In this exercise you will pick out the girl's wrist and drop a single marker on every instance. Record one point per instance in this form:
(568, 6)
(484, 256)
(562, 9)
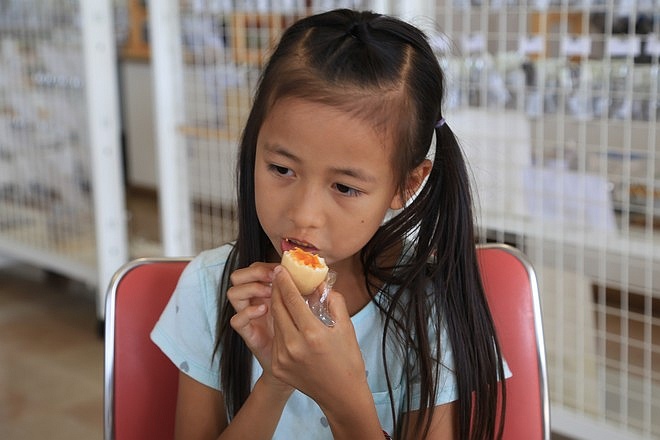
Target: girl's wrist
(355, 417)
(275, 387)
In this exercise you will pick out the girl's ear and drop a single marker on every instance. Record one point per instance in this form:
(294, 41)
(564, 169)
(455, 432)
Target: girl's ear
(413, 183)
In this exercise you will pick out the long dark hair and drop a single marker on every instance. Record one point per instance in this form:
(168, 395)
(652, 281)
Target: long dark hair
(383, 70)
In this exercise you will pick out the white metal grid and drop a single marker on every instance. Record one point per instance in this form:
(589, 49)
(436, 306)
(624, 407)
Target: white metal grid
(51, 134)
(564, 98)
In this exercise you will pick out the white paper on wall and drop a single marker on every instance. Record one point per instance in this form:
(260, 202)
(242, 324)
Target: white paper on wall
(570, 198)
(497, 146)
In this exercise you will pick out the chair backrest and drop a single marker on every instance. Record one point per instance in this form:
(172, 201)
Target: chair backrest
(513, 298)
(140, 382)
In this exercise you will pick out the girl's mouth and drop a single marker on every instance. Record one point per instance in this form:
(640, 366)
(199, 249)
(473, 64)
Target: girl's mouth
(290, 243)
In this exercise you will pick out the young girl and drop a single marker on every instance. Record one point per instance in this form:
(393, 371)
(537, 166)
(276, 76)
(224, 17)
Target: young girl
(334, 160)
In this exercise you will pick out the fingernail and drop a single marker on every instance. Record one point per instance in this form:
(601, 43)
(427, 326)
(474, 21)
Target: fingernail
(271, 274)
(277, 270)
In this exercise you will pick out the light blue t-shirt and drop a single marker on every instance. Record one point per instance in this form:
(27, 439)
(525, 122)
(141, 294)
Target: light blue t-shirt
(186, 330)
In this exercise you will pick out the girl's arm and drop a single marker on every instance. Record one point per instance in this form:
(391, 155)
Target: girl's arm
(200, 411)
(354, 417)
(261, 412)
(443, 424)
(201, 414)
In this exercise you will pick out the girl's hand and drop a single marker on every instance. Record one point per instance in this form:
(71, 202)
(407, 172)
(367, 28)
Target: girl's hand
(250, 296)
(323, 362)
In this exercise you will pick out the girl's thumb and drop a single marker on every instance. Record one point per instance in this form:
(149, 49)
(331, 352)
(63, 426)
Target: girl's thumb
(337, 306)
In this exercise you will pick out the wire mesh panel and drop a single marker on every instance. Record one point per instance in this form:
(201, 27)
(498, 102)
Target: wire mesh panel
(47, 187)
(556, 103)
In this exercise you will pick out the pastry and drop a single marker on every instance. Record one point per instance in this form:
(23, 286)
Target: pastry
(307, 270)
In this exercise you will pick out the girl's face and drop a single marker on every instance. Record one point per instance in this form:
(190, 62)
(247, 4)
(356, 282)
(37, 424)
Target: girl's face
(323, 180)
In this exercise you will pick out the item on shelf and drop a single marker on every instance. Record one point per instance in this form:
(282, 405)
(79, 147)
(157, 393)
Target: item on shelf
(136, 42)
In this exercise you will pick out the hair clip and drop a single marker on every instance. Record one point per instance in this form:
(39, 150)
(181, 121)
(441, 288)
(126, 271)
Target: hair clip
(440, 123)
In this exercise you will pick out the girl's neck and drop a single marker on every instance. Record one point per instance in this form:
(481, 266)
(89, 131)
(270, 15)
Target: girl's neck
(351, 284)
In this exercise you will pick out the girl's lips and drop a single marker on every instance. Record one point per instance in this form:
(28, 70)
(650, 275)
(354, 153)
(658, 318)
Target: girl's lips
(290, 243)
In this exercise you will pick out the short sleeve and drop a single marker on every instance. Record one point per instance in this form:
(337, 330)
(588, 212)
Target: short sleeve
(186, 329)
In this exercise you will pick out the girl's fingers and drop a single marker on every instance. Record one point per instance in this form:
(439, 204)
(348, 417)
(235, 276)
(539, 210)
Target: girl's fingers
(256, 272)
(243, 296)
(243, 322)
(337, 306)
(243, 319)
(288, 307)
(249, 283)
(304, 351)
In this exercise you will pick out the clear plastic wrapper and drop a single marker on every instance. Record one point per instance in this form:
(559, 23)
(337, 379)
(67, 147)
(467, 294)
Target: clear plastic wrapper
(317, 301)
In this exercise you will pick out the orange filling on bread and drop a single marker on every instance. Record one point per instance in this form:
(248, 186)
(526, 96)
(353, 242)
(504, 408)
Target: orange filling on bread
(306, 258)
(306, 269)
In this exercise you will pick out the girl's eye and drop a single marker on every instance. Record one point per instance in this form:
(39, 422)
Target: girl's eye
(347, 190)
(283, 171)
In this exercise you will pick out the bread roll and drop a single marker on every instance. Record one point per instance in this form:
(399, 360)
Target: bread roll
(307, 270)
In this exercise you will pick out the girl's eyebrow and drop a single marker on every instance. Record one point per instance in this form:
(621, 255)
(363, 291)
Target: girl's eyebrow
(355, 173)
(352, 172)
(281, 151)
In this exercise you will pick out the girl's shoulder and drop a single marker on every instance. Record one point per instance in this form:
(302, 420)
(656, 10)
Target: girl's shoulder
(206, 268)
(211, 259)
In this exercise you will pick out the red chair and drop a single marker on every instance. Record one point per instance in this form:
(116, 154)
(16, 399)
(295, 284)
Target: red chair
(513, 297)
(141, 383)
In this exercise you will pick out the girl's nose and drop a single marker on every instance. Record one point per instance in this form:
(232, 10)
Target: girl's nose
(306, 209)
